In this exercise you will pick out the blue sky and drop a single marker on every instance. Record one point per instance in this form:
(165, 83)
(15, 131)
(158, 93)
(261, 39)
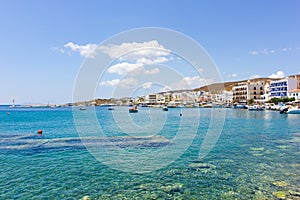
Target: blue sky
(244, 38)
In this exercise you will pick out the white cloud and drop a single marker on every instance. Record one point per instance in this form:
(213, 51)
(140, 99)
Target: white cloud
(133, 68)
(254, 76)
(286, 49)
(265, 51)
(134, 56)
(87, 50)
(147, 85)
(253, 52)
(113, 82)
(125, 83)
(152, 71)
(279, 74)
(128, 83)
(138, 50)
(233, 75)
(186, 83)
(124, 67)
(194, 81)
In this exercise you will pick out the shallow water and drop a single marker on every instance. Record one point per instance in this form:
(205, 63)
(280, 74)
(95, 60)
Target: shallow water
(256, 157)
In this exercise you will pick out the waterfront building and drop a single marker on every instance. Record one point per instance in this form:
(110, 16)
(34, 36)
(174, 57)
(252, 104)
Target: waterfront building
(223, 97)
(297, 77)
(151, 99)
(280, 88)
(248, 90)
(295, 94)
(266, 94)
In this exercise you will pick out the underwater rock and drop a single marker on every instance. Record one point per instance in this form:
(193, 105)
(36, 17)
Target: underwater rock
(86, 197)
(295, 140)
(294, 193)
(280, 194)
(177, 187)
(280, 183)
(257, 154)
(198, 166)
(228, 194)
(282, 147)
(257, 149)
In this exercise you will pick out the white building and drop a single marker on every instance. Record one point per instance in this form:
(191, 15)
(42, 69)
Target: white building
(248, 90)
(223, 97)
(151, 99)
(280, 88)
(295, 94)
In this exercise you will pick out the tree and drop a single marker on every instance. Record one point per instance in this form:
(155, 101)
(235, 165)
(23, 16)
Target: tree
(251, 101)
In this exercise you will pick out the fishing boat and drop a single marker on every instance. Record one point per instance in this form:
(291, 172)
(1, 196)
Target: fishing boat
(256, 108)
(133, 109)
(165, 108)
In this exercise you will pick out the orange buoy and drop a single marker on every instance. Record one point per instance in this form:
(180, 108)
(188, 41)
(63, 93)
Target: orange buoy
(39, 132)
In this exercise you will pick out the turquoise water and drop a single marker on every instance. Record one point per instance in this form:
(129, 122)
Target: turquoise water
(256, 157)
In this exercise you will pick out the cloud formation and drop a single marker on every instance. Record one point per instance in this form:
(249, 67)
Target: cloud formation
(113, 82)
(267, 51)
(186, 83)
(132, 56)
(87, 50)
(279, 74)
(147, 85)
(124, 83)
(264, 51)
(135, 50)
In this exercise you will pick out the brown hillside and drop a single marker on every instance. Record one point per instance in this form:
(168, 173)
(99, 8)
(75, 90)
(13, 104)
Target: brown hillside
(218, 87)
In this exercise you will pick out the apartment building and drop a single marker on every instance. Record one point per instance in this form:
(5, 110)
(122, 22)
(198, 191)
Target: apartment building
(280, 88)
(248, 90)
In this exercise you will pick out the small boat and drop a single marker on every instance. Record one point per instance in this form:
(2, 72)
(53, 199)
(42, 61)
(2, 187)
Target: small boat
(165, 108)
(111, 108)
(240, 106)
(82, 108)
(256, 108)
(133, 109)
(283, 109)
(293, 111)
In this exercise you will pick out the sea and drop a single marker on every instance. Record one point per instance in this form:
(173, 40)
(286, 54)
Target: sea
(96, 153)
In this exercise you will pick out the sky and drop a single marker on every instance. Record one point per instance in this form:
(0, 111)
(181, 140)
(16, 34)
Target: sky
(43, 44)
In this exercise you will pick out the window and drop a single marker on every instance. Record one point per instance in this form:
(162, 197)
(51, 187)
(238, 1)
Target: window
(261, 88)
(254, 97)
(254, 88)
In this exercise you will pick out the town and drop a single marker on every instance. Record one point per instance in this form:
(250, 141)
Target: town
(247, 92)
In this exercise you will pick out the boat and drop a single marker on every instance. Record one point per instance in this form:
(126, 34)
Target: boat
(240, 106)
(82, 108)
(256, 108)
(290, 110)
(165, 108)
(208, 105)
(293, 111)
(133, 109)
(111, 108)
(283, 109)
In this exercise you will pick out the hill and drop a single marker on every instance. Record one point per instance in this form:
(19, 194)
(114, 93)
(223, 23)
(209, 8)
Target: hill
(218, 87)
